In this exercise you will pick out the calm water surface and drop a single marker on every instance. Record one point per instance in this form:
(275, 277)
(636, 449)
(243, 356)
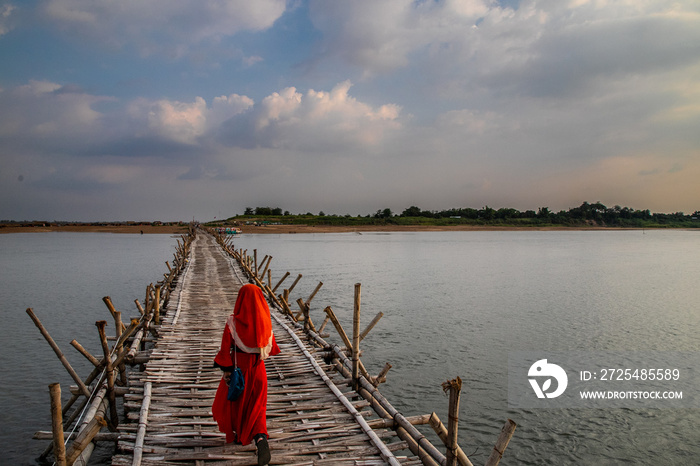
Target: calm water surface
(62, 277)
(454, 304)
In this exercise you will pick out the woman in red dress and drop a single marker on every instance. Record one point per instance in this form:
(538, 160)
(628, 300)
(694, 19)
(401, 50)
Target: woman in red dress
(249, 329)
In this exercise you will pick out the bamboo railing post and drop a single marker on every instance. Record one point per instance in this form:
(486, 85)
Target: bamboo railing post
(501, 443)
(59, 447)
(356, 338)
(255, 261)
(118, 345)
(454, 387)
(111, 396)
(59, 353)
(267, 266)
(108, 302)
(139, 307)
(156, 306)
(285, 304)
(441, 432)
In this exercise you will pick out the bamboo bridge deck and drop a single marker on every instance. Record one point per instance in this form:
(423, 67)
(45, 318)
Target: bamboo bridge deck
(313, 416)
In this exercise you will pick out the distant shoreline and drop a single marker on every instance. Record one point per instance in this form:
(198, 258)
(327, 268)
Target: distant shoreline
(86, 228)
(297, 229)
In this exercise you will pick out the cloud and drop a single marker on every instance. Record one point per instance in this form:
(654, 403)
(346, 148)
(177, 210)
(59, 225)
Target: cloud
(162, 26)
(5, 20)
(542, 49)
(317, 121)
(380, 36)
(47, 114)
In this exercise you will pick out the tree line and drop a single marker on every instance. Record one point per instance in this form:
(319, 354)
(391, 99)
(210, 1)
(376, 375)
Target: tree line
(594, 214)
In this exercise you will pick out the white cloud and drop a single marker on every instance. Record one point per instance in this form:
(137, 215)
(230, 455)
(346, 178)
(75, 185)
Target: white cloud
(49, 112)
(5, 21)
(162, 26)
(315, 121)
(380, 36)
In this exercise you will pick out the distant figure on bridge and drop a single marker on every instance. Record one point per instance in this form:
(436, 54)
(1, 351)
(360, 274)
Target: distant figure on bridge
(247, 341)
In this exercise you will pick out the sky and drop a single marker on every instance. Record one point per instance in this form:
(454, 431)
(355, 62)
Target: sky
(196, 109)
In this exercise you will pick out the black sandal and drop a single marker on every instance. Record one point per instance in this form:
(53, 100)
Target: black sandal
(263, 451)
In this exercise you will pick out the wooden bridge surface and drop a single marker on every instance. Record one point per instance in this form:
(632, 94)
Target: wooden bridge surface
(307, 422)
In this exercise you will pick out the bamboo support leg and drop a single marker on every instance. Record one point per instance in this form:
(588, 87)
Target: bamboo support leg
(501, 443)
(311, 296)
(95, 362)
(156, 306)
(59, 353)
(371, 325)
(454, 387)
(280, 282)
(108, 302)
(111, 396)
(295, 283)
(441, 432)
(59, 447)
(356, 338)
(84, 438)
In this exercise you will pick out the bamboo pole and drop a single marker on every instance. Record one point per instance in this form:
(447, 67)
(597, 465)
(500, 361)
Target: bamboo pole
(267, 266)
(371, 325)
(295, 283)
(441, 432)
(417, 442)
(311, 296)
(501, 443)
(118, 345)
(143, 423)
(156, 306)
(454, 387)
(346, 341)
(59, 353)
(255, 261)
(356, 338)
(112, 310)
(114, 417)
(84, 438)
(386, 454)
(95, 362)
(381, 377)
(336, 323)
(280, 282)
(323, 325)
(382, 423)
(308, 323)
(59, 446)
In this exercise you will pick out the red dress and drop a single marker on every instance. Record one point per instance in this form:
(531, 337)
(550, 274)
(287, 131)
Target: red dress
(246, 417)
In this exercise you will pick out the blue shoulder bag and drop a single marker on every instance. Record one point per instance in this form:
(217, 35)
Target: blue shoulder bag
(237, 383)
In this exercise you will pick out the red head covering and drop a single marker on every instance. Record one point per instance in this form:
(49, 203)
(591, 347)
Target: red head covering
(252, 317)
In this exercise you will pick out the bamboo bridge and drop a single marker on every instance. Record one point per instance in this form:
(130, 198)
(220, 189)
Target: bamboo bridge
(323, 405)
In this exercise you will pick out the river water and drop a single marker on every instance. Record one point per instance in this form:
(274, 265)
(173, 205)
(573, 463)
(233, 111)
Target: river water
(454, 304)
